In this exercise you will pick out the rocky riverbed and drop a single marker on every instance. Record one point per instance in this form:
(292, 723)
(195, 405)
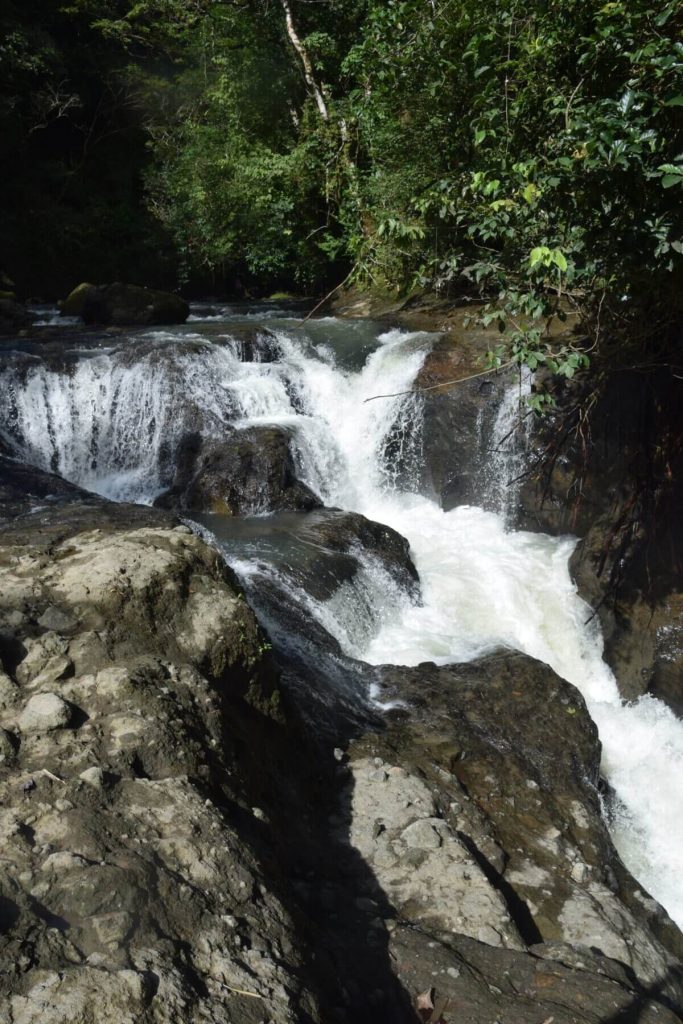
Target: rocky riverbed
(178, 844)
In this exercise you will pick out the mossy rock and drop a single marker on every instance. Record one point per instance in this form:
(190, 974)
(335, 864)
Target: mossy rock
(73, 304)
(10, 296)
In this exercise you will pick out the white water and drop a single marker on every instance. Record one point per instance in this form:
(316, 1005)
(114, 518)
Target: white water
(105, 422)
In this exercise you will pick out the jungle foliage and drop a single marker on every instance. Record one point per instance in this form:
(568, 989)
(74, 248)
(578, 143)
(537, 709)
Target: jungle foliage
(528, 154)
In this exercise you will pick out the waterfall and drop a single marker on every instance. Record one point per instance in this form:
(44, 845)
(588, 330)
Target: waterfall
(111, 419)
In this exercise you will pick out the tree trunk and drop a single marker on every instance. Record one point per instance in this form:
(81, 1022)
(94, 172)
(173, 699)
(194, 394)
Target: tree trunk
(309, 74)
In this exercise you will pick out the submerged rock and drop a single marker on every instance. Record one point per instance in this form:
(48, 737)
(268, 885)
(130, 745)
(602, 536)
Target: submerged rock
(127, 304)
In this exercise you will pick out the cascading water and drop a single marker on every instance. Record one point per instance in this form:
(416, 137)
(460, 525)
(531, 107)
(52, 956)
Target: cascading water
(111, 419)
(106, 421)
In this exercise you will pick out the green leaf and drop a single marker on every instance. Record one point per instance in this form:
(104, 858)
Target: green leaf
(538, 255)
(560, 260)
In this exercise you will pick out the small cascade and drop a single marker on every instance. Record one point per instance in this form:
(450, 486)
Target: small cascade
(508, 446)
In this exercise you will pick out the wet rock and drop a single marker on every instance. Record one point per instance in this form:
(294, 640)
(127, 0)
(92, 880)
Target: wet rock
(627, 514)
(255, 345)
(22, 487)
(350, 532)
(251, 472)
(453, 462)
(127, 304)
(13, 316)
(73, 304)
(45, 712)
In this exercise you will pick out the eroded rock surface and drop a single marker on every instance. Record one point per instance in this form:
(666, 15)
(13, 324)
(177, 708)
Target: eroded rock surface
(129, 892)
(477, 809)
(611, 485)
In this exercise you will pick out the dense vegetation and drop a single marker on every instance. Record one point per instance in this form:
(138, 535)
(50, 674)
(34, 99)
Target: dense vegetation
(525, 152)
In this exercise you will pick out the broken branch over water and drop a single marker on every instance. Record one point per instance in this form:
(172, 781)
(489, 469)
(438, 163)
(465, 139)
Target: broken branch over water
(444, 383)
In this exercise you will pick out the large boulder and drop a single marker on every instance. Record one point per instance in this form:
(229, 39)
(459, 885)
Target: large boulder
(127, 304)
(478, 810)
(453, 461)
(182, 848)
(132, 669)
(250, 472)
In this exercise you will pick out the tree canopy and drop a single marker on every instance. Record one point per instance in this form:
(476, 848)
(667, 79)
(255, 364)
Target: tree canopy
(521, 152)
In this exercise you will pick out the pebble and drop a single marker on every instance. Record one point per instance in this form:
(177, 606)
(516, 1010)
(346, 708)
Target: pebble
(579, 872)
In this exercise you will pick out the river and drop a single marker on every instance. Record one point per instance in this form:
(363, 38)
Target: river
(110, 411)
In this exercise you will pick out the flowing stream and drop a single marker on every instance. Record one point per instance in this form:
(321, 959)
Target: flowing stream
(110, 415)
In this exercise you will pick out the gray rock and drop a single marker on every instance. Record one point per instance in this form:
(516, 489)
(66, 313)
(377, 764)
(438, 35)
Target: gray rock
(422, 835)
(93, 776)
(56, 619)
(45, 712)
(248, 472)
